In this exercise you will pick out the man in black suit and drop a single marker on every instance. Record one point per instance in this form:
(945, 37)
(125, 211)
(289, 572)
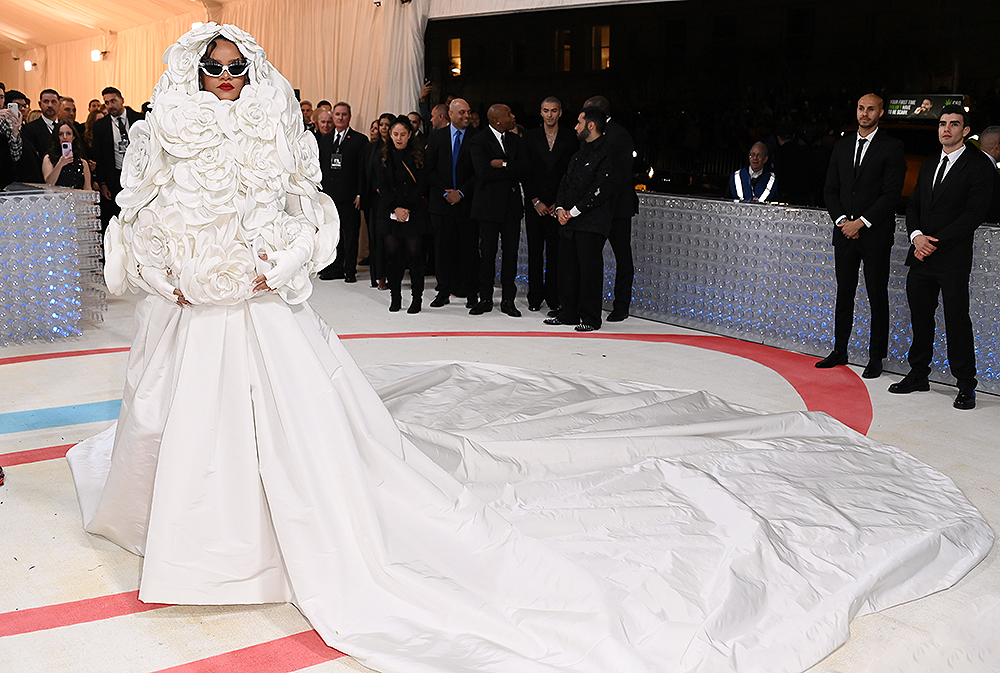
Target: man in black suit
(624, 206)
(863, 185)
(452, 182)
(989, 142)
(951, 199)
(341, 161)
(110, 143)
(497, 206)
(583, 209)
(39, 132)
(547, 150)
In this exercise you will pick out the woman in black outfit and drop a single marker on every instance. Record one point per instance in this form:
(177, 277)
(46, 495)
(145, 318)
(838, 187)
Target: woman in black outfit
(369, 201)
(402, 185)
(66, 169)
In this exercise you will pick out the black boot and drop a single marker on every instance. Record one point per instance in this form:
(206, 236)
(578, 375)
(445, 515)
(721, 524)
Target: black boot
(414, 305)
(396, 302)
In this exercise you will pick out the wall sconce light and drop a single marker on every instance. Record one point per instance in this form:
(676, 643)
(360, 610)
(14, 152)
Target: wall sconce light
(27, 66)
(96, 55)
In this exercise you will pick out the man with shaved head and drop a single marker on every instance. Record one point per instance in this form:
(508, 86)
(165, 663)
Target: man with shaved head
(496, 206)
(451, 180)
(863, 185)
(439, 116)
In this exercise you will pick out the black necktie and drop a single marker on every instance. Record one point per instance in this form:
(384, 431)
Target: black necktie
(857, 157)
(121, 129)
(940, 174)
(336, 143)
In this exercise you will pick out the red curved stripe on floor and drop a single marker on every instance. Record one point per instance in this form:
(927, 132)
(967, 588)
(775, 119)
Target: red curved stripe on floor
(283, 655)
(75, 612)
(838, 392)
(61, 354)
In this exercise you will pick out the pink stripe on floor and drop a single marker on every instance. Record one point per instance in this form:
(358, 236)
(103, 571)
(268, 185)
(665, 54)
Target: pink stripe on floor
(284, 655)
(75, 612)
(34, 455)
(62, 354)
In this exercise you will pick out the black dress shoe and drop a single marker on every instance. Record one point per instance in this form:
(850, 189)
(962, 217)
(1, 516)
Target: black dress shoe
(554, 312)
(873, 370)
(534, 307)
(414, 306)
(395, 304)
(440, 301)
(330, 274)
(584, 327)
(910, 384)
(509, 308)
(351, 279)
(485, 306)
(617, 316)
(832, 360)
(966, 399)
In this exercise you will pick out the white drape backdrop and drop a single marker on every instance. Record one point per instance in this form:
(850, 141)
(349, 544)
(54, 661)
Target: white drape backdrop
(349, 50)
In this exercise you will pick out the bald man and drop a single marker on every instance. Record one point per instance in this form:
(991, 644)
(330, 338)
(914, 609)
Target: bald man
(452, 180)
(496, 206)
(863, 184)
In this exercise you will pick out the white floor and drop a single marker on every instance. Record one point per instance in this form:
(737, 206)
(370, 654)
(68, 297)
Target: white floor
(48, 560)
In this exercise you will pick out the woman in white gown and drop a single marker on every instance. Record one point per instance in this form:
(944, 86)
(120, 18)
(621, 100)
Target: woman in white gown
(253, 462)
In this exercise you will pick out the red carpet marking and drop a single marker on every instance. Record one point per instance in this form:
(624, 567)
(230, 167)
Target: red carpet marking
(62, 354)
(838, 392)
(76, 612)
(34, 455)
(284, 655)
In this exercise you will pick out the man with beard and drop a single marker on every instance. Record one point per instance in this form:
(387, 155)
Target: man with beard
(583, 208)
(624, 206)
(863, 185)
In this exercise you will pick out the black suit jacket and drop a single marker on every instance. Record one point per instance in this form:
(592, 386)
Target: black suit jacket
(951, 213)
(585, 187)
(344, 183)
(993, 216)
(37, 135)
(620, 149)
(873, 194)
(438, 165)
(498, 190)
(104, 149)
(545, 167)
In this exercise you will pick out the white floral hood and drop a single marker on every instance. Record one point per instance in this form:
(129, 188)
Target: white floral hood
(208, 184)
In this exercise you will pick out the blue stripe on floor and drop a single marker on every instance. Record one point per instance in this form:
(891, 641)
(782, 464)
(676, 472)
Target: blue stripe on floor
(40, 419)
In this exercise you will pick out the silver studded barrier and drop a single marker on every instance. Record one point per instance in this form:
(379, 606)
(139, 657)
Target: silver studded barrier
(50, 278)
(765, 273)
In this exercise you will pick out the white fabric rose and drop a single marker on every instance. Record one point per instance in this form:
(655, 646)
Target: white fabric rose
(211, 177)
(217, 274)
(187, 124)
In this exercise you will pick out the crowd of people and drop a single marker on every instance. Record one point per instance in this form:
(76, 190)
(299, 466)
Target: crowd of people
(439, 192)
(449, 193)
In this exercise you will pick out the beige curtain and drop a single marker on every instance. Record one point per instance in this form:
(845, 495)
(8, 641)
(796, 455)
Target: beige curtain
(371, 57)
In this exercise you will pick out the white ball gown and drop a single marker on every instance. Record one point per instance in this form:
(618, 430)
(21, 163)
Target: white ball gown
(557, 524)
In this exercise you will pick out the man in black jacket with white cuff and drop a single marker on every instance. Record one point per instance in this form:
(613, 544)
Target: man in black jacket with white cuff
(583, 208)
